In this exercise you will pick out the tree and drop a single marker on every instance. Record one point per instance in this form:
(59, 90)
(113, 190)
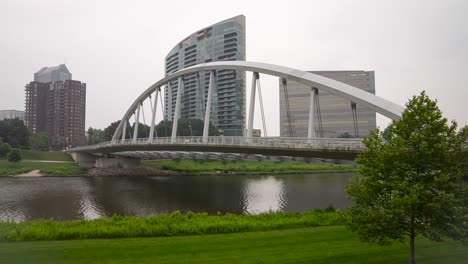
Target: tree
(4, 149)
(13, 132)
(409, 181)
(110, 130)
(95, 136)
(186, 127)
(14, 155)
(345, 135)
(40, 141)
(57, 143)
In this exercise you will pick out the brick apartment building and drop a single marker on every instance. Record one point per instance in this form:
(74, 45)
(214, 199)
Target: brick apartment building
(56, 105)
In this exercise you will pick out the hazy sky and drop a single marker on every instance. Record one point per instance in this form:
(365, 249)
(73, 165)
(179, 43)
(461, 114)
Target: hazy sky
(118, 47)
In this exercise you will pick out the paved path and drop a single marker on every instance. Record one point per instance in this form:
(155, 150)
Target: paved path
(33, 173)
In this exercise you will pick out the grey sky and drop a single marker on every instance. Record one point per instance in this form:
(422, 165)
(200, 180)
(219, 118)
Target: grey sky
(118, 47)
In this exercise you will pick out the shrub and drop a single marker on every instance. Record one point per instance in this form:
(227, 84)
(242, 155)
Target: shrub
(14, 155)
(5, 148)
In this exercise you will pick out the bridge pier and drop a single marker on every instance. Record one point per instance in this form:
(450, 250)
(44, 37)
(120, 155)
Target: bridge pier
(127, 163)
(87, 160)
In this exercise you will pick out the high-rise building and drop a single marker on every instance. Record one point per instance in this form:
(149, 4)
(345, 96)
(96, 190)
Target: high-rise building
(36, 106)
(66, 105)
(11, 114)
(57, 107)
(336, 114)
(52, 74)
(219, 42)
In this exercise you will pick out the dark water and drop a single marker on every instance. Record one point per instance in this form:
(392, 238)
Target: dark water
(93, 197)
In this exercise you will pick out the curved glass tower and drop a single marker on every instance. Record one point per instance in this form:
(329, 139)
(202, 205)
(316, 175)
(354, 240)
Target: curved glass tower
(223, 41)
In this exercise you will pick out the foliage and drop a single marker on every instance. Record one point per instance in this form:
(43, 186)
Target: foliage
(186, 127)
(328, 244)
(4, 149)
(46, 168)
(188, 165)
(110, 130)
(13, 132)
(409, 182)
(14, 155)
(39, 141)
(174, 224)
(95, 136)
(345, 135)
(57, 143)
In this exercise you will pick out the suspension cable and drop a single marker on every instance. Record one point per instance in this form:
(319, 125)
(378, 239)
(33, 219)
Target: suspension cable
(152, 110)
(261, 106)
(288, 110)
(319, 113)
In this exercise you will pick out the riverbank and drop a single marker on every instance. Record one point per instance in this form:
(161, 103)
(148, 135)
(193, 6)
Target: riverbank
(174, 224)
(58, 164)
(333, 244)
(49, 168)
(242, 167)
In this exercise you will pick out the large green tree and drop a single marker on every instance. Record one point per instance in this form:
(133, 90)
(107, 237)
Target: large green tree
(40, 141)
(95, 136)
(13, 132)
(409, 181)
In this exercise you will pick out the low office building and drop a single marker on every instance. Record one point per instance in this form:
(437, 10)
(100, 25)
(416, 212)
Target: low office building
(11, 114)
(336, 114)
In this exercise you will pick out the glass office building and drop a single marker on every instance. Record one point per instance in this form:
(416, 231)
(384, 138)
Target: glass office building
(223, 41)
(336, 113)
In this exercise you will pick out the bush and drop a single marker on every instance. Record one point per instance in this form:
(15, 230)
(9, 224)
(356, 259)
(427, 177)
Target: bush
(5, 148)
(14, 155)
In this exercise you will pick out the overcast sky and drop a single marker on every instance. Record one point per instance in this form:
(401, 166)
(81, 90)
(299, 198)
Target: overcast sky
(118, 47)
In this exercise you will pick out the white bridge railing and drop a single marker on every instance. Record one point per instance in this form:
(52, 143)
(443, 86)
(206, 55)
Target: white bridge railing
(343, 144)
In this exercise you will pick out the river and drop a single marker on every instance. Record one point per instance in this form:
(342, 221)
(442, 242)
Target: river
(64, 198)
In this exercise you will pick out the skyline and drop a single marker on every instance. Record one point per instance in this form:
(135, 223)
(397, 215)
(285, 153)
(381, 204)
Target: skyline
(116, 46)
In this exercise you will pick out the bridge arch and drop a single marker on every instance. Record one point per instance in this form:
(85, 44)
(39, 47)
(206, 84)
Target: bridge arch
(358, 96)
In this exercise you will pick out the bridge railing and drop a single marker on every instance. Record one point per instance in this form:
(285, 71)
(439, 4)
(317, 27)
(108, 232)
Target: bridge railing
(276, 142)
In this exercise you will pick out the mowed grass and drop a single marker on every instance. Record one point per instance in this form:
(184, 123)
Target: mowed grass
(46, 168)
(175, 224)
(307, 245)
(188, 165)
(43, 155)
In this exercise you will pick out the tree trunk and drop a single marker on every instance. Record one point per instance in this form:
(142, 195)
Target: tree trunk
(412, 237)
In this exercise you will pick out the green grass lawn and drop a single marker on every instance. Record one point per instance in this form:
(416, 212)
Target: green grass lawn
(306, 245)
(43, 155)
(47, 168)
(188, 165)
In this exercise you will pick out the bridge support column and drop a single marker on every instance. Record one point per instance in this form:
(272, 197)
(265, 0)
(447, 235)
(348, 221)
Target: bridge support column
(252, 104)
(206, 127)
(84, 160)
(311, 129)
(124, 130)
(318, 112)
(180, 87)
(153, 117)
(137, 119)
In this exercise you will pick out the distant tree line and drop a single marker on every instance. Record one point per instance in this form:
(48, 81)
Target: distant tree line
(185, 127)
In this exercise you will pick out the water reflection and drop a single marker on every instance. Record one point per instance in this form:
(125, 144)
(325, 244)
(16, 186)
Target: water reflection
(262, 195)
(94, 197)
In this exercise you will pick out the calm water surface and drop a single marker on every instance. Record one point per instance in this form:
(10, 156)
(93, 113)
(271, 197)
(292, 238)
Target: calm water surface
(93, 197)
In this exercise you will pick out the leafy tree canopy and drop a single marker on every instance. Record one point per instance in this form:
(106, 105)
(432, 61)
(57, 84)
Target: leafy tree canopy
(39, 141)
(409, 181)
(13, 132)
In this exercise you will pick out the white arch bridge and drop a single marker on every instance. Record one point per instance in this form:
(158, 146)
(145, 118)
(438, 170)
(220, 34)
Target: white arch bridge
(123, 151)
